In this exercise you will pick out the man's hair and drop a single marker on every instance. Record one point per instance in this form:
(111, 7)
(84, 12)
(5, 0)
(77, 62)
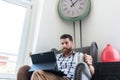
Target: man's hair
(64, 36)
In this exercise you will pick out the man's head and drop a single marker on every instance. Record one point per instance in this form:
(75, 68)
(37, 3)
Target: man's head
(66, 43)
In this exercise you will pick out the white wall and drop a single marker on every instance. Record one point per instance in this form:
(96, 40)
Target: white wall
(49, 26)
(103, 24)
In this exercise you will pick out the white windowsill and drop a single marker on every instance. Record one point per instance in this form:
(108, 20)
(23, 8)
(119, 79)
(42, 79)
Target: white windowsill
(7, 76)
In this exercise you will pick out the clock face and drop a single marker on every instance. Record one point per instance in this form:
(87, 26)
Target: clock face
(73, 9)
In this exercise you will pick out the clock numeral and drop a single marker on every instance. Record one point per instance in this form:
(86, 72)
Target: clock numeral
(65, 8)
(64, 5)
(65, 1)
(72, 13)
(78, 12)
(80, 7)
(81, 3)
(68, 11)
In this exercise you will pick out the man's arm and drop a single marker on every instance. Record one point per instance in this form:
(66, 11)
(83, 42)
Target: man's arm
(88, 59)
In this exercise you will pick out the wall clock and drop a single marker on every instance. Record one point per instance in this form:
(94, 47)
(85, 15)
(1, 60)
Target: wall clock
(73, 10)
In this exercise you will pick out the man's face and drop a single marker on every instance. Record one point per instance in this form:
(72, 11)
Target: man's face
(66, 45)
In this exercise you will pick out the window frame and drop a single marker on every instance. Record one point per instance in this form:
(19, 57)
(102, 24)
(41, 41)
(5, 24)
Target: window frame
(24, 38)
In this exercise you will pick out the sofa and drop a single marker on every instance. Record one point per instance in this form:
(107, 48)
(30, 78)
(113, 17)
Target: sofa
(91, 50)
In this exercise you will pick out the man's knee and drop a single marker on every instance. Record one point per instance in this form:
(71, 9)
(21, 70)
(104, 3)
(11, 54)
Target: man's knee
(23, 73)
(25, 67)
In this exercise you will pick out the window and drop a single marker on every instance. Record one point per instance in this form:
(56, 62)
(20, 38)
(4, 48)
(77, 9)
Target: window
(13, 31)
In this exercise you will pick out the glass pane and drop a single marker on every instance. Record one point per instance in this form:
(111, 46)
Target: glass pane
(11, 26)
(7, 63)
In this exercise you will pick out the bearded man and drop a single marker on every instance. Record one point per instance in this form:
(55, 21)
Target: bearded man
(66, 61)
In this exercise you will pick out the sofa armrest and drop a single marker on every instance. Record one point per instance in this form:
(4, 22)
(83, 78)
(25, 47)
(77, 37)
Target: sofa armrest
(94, 51)
(82, 72)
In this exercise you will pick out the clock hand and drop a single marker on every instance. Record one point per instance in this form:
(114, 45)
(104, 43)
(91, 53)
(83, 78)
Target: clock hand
(74, 3)
(71, 1)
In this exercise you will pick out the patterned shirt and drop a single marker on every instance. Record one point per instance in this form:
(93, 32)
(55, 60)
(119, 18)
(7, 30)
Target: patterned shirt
(68, 64)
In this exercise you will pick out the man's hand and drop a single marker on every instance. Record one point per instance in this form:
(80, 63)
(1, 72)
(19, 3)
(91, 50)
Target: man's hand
(88, 59)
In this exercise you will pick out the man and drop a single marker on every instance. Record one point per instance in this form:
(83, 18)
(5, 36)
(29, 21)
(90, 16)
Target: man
(66, 62)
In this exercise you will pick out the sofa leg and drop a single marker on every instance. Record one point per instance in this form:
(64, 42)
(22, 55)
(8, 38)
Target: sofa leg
(23, 73)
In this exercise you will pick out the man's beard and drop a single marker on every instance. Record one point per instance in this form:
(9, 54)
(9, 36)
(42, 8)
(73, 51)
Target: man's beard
(66, 50)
